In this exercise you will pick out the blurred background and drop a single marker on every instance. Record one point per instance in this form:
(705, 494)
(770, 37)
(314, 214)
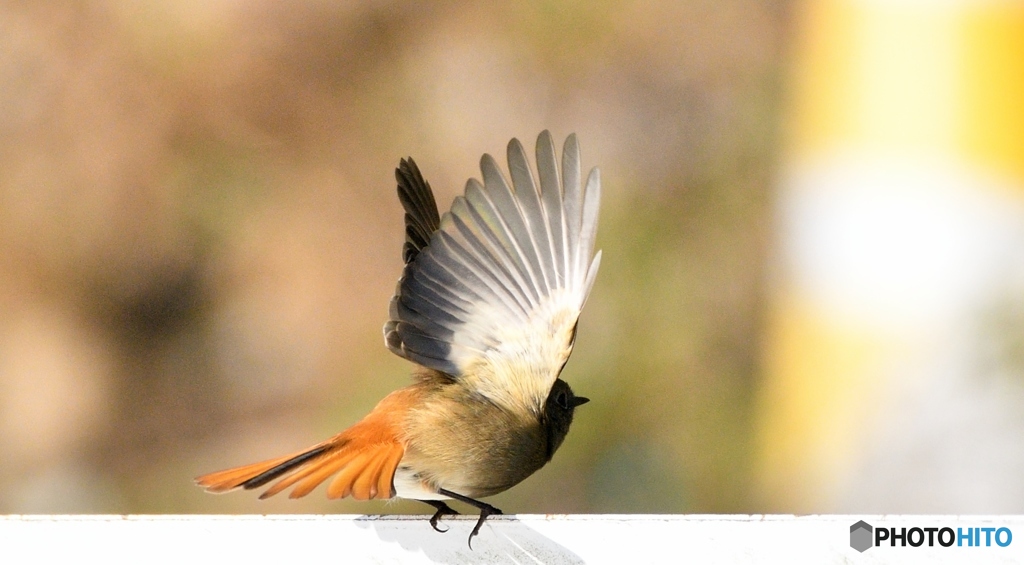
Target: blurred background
(812, 292)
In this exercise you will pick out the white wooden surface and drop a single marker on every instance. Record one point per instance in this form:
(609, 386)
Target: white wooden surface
(623, 539)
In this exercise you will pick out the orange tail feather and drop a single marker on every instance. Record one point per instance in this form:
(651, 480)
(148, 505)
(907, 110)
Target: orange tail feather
(364, 457)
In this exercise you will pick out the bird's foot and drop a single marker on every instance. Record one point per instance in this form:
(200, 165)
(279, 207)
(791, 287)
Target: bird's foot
(442, 509)
(485, 510)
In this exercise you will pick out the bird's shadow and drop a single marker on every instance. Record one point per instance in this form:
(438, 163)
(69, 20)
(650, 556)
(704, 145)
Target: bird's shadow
(502, 539)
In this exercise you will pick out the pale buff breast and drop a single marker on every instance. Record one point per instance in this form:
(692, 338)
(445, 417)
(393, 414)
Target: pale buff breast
(460, 441)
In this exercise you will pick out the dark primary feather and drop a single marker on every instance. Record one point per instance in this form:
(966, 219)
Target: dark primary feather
(421, 221)
(421, 216)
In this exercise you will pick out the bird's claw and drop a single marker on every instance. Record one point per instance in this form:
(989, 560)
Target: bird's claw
(485, 511)
(442, 509)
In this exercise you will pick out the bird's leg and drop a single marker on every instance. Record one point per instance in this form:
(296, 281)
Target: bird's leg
(442, 509)
(485, 510)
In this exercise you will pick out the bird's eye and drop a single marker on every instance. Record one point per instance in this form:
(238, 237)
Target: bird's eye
(562, 400)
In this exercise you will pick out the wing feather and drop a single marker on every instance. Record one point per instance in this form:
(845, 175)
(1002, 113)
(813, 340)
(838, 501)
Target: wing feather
(421, 217)
(532, 211)
(513, 224)
(572, 205)
(588, 223)
(496, 279)
(551, 196)
(494, 296)
(485, 219)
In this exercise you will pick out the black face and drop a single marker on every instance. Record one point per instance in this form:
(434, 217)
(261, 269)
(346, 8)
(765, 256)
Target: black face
(558, 411)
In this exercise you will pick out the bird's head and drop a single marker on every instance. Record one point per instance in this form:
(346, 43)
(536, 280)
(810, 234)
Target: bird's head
(558, 412)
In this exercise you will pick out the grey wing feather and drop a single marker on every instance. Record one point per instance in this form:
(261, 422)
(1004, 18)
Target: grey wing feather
(534, 217)
(492, 290)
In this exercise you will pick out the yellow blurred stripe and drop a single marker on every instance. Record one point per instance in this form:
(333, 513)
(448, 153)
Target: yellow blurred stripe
(875, 76)
(992, 87)
(917, 79)
(822, 377)
(935, 79)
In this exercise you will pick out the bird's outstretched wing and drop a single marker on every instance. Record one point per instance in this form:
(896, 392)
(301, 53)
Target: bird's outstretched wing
(493, 297)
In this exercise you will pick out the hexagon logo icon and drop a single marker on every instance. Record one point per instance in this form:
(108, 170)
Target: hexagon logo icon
(860, 536)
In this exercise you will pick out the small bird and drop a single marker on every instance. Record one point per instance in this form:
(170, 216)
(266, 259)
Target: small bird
(487, 306)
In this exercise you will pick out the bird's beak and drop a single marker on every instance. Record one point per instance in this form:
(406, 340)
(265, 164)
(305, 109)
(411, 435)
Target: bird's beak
(579, 401)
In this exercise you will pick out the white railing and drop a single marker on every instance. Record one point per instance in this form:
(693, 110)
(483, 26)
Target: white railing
(627, 539)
